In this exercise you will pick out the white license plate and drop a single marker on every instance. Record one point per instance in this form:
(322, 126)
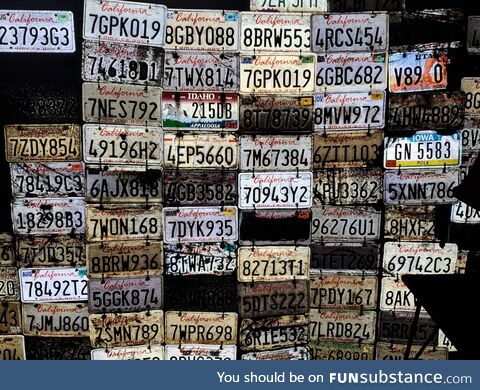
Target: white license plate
(275, 190)
(37, 31)
(200, 110)
(272, 152)
(463, 213)
(124, 22)
(471, 87)
(124, 64)
(470, 134)
(396, 295)
(420, 187)
(53, 284)
(9, 284)
(351, 224)
(295, 353)
(341, 351)
(289, 5)
(110, 144)
(390, 351)
(200, 224)
(140, 352)
(417, 71)
(356, 110)
(122, 104)
(274, 32)
(419, 258)
(48, 216)
(133, 222)
(206, 151)
(350, 32)
(10, 315)
(200, 352)
(473, 35)
(287, 74)
(196, 71)
(12, 347)
(410, 223)
(203, 30)
(348, 72)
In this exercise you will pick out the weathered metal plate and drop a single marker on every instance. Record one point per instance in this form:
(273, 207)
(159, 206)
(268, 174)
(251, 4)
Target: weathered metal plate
(200, 328)
(200, 352)
(289, 6)
(341, 351)
(403, 223)
(200, 224)
(207, 30)
(287, 74)
(345, 256)
(125, 258)
(140, 352)
(396, 295)
(444, 342)
(135, 222)
(12, 348)
(365, 5)
(125, 22)
(200, 259)
(461, 264)
(471, 87)
(468, 161)
(126, 329)
(463, 213)
(8, 253)
(470, 134)
(55, 319)
(42, 143)
(10, 318)
(388, 351)
(395, 327)
(57, 348)
(295, 353)
(473, 35)
(9, 284)
(365, 32)
(123, 64)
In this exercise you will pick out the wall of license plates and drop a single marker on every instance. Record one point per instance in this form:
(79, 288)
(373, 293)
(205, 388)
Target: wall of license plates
(233, 185)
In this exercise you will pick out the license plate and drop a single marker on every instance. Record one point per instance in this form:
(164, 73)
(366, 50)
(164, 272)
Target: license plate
(12, 348)
(334, 290)
(468, 160)
(200, 110)
(345, 256)
(37, 31)
(197, 188)
(419, 258)
(355, 110)
(126, 329)
(135, 222)
(122, 104)
(42, 143)
(343, 326)
(200, 224)
(140, 352)
(279, 32)
(425, 111)
(462, 213)
(200, 151)
(200, 352)
(123, 184)
(270, 153)
(193, 71)
(200, 328)
(124, 64)
(10, 318)
(341, 351)
(51, 251)
(125, 22)
(292, 353)
(289, 5)
(122, 295)
(473, 35)
(47, 180)
(351, 224)
(471, 87)
(8, 254)
(347, 186)
(417, 71)
(273, 263)
(273, 333)
(55, 319)
(203, 30)
(470, 134)
(273, 113)
(200, 259)
(53, 284)
(396, 295)
(125, 258)
(347, 72)
(275, 190)
(110, 144)
(389, 351)
(461, 265)
(444, 342)
(420, 187)
(350, 32)
(396, 326)
(410, 223)
(275, 227)
(286, 74)
(365, 5)
(57, 348)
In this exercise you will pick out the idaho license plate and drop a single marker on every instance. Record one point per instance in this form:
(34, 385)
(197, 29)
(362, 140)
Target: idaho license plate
(471, 87)
(463, 213)
(389, 351)
(345, 256)
(200, 352)
(404, 223)
(12, 348)
(140, 352)
(292, 353)
(473, 35)
(341, 351)
(10, 317)
(289, 6)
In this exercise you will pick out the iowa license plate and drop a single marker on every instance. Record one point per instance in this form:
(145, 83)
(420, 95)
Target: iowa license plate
(404, 223)
(295, 353)
(341, 351)
(12, 348)
(473, 35)
(345, 256)
(289, 6)
(471, 87)
(42, 143)
(463, 213)
(48, 216)
(9, 284)
(125, 22)
(140, 352)
(10, 318)
(200, 352)
(389, 351)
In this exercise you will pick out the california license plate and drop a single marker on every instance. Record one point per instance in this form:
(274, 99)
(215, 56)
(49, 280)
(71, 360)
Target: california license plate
(53, 284)
(122, 104)
(365, 5)
(42, 143)
(341, 351)
(355, 110)
(140, 352)
(470, 134)
(345, 256)
(280, 32)
(57, 348)
(10, 317)
(200, 224)
(292, 353)
(286, 74)
(389, 351)
(8, 252)
(37, 31)
(125, 22)
(397, 327)
(463, 213)
(471, 87)
(12, 348)
(48, 216)
(405, 223)
(9, 284)
(350, 32)
(123, 64)
(473, 35)
(396, 295)
(200, 352)
(289, 6)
